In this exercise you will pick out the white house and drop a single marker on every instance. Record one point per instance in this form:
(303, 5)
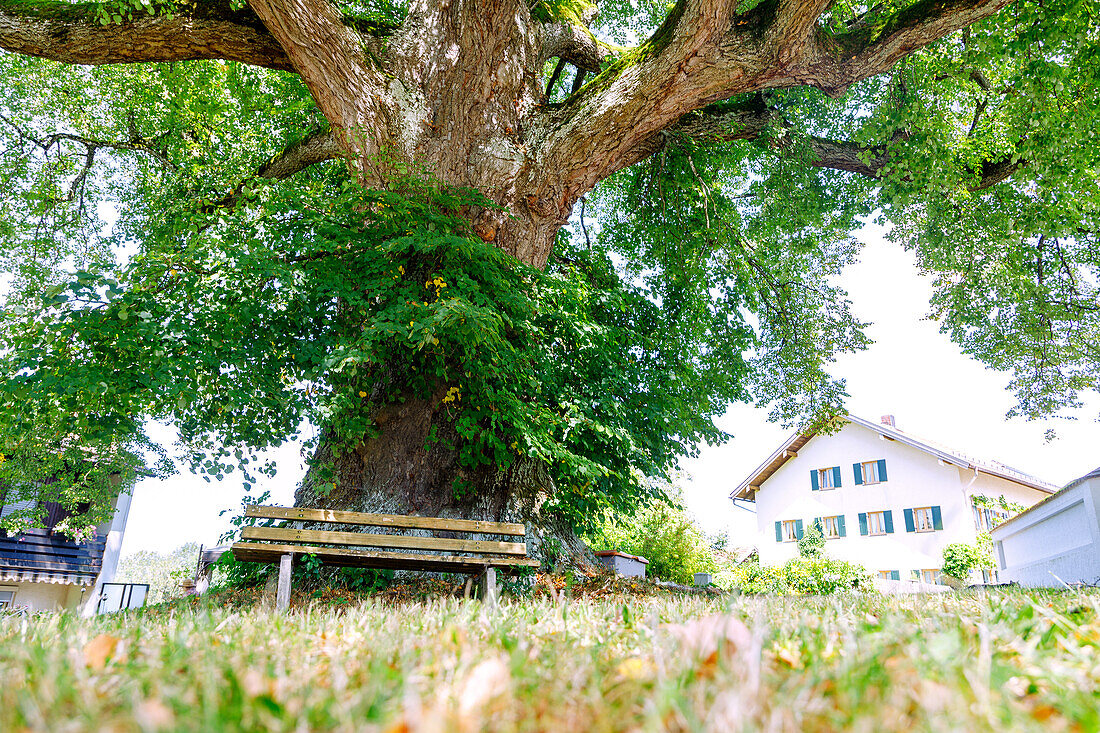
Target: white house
(886, 500)
(1054, 542)
(44, 570)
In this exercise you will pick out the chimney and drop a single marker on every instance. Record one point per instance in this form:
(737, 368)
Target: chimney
(888, 420)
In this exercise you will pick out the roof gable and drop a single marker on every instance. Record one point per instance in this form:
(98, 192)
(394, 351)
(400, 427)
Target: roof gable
(790, 447)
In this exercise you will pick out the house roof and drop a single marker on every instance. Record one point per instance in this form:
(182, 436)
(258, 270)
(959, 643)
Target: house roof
(1094, 473)
(790, 447)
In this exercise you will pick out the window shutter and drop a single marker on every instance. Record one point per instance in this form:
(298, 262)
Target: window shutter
(888, 517)
(820, 522)
(937, 518)
(836, 477)
(857, 471)
(778, 531)
(914, 575)
(895, 575)
(798, 528)
(882, 469)
(813, 480)
(863, 523)
(910, 525)
(840, 526)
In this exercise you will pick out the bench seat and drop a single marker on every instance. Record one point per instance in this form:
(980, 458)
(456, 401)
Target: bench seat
(264, 552)
(448, 554)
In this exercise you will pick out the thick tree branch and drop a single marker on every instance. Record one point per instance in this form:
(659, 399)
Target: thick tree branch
(72, 33)
(704, 53)
(574, 44)
(749, 122)
(316, 147)
(345, 81)
(870, 50)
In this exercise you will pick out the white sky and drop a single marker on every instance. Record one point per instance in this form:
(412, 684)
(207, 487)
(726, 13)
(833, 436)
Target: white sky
(911, 371)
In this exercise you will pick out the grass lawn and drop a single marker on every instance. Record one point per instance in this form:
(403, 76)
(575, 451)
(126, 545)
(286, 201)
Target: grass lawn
(996, 661)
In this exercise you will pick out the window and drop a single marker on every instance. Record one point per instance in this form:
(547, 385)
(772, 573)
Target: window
(870, 472)
(832, 527)
(7, 597)
(923, 519)
(889, 574)
(788, 530)
(986, 519)
(825, 478)
(876, 523)
(929, 576)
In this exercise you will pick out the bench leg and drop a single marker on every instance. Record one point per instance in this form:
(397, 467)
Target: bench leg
(282, 595)
(487, 586)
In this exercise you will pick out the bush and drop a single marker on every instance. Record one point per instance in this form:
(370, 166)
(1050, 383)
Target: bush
(812, 543)
(817, 575)
(662, 533)
(959, 558)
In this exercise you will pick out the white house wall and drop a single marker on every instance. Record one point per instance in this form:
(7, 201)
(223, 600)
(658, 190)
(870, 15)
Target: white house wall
(914, 479)
(46, 596)
(1060, 538)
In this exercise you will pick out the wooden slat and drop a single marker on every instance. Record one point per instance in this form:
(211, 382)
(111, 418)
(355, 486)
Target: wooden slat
(367, 539)
(259, 552)
(383, 520)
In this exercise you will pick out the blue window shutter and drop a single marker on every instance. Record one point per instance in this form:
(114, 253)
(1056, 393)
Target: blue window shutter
(937, 518)
(820, 524)
(862, 523)
(836, 477)
(778, 531)
(888, 516)
(813, 480)
(798, 528)
(895, 574)
(840, 526)
(882, 469)
(910, 525)
(857, 471)
(914, 575)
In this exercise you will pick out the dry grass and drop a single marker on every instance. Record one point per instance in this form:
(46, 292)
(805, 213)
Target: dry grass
(973, 662)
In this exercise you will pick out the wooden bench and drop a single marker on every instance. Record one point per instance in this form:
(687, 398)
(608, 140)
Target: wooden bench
(470, 557)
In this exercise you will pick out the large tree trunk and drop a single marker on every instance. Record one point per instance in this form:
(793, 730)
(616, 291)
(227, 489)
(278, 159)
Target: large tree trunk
(463, 77)
(409, 470)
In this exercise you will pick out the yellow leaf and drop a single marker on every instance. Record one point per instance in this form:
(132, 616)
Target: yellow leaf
(99, 650)
(635, 668)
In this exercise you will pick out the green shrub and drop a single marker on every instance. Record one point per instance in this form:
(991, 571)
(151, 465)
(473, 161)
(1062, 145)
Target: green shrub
(959, 558)
(662, 533)
(812, 543)
(819, 575)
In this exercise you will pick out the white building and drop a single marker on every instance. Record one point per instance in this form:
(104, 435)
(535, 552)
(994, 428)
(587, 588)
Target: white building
(886, 500)
(44, 570)
(1056, 541)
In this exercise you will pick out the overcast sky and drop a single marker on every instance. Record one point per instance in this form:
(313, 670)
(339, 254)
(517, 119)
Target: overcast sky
(911, 371)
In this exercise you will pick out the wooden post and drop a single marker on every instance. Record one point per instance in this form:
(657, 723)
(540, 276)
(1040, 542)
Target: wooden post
(487, 585)
(282, 595)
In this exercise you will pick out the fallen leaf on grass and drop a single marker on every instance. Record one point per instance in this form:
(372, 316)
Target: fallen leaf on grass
(99, 650)
(153, 715)
(636, 668)
(488, 680)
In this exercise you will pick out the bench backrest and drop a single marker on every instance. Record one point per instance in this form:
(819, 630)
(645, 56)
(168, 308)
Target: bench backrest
(367, 539)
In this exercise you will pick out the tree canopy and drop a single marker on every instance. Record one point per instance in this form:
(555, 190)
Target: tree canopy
(250, 218)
